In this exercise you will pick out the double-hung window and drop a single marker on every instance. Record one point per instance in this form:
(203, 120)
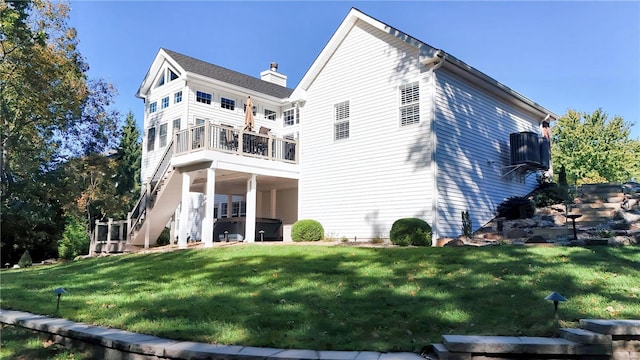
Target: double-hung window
(203, 97)
(153, 107)
(163, 135)
(409, 104)
(341, 121)
(289, 117)
(165, 102)
(176, 125)
(151, 139)
(269, 114)
(227, 104)
(177, 97)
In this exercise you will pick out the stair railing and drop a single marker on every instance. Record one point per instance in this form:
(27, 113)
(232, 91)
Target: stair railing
(145, 202)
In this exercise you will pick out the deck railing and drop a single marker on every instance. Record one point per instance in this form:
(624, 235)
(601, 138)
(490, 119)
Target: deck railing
(231, 140)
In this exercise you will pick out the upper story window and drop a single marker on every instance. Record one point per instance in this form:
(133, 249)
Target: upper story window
(153, 107)
(269, 114)
(409, 104)
(151, 139)
(200, 122)
(163, 135)
(227, 104)
(176, 125)
(172, 75)
(177, 97)
(341, 121)
(165, 102)
(203, 97)
(291, 117)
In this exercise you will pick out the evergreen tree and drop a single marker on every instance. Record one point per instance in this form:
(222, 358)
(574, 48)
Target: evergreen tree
(128, 159)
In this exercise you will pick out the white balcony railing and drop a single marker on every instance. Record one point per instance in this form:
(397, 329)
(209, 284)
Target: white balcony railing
(236, 141)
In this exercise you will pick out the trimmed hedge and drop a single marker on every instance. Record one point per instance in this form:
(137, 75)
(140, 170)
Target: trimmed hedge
(307, 230)
(410, 231)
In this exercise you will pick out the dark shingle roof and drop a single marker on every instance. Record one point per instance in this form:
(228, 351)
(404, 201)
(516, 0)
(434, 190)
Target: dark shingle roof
(229, 76)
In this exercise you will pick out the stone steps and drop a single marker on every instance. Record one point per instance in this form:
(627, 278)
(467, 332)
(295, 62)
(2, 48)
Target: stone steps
(596, 339)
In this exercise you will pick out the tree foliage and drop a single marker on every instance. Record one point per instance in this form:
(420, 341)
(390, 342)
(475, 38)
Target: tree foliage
(128, 159)
(50, 112)
(591, 148)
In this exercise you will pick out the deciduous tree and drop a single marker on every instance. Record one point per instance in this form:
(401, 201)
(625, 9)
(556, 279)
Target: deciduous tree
(593, 148)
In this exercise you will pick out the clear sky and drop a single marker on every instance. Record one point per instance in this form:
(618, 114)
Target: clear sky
(562, 55)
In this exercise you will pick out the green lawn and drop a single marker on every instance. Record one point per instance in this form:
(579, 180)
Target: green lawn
(335, 297)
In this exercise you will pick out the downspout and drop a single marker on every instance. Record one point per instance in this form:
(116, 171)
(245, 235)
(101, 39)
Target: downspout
(439, 58)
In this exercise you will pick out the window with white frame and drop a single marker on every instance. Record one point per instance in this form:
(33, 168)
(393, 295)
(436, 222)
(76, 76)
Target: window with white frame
(200, 122)
(341, 121)
(172, 75)
(238, 208)
(165, 102)
(151, 139)
(409, 104)
(227, 104)
(153, 107)
(270, 114)
(163, 135)
(176, 125)
(289, 117)
(203, 97)
(177, 97)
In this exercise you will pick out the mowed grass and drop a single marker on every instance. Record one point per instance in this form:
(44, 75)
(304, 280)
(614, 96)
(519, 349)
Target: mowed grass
(335, 297)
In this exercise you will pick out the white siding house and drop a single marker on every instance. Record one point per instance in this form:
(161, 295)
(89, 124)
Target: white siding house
(384, 127)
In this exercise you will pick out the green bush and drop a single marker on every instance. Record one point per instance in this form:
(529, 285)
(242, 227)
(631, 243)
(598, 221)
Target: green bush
(516, 207)
(549, 194)
(467, 225)
(307, 230)
(164, 237)
(75, 240)
(410, 231)
(25, 260)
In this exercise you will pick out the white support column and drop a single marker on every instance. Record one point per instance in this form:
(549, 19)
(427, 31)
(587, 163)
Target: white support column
(183, 231)
(250, 224)
(229, 205)
(272, 203)
(208, 220)
(172, 231)
(147, 229)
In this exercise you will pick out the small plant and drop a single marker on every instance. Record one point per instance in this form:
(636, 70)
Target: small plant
(25, 260)
(410, 231)
(307, 230)
(377, 239)
(467, 226)
(547, 194)
(75, 240)
(344, 239)
(603, 231)
(516, 207)
(164, 237)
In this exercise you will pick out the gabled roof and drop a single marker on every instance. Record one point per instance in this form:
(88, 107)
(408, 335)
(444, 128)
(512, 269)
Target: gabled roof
(427, 55)
(199, 67)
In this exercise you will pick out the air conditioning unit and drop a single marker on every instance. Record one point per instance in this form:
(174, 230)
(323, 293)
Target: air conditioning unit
(525, 148)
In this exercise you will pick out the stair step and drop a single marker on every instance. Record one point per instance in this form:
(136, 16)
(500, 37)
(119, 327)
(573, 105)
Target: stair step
(612, 327)
(597, 205)
(584, 336)
(508, 344)
(443, 353)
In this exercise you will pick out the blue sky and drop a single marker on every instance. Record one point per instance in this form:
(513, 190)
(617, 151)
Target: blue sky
(562, 55)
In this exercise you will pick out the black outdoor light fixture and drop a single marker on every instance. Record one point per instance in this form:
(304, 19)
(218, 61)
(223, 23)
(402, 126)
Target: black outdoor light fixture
(556, 298)
(59, 291)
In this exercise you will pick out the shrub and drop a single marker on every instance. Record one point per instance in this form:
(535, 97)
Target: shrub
(550, 194)
(467, 226)
(75, 240)
(410, 231)
(25, 260)
(307, 230)
(516, 207)
(164, 237)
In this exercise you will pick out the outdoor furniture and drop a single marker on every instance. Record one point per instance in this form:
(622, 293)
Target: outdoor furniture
(229, 139)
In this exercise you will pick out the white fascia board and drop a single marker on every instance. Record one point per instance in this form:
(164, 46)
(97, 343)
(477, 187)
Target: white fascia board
(206, 81)
(152, 73)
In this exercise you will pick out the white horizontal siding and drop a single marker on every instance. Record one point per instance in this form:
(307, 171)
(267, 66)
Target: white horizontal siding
(359, 186)
(473, 130)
